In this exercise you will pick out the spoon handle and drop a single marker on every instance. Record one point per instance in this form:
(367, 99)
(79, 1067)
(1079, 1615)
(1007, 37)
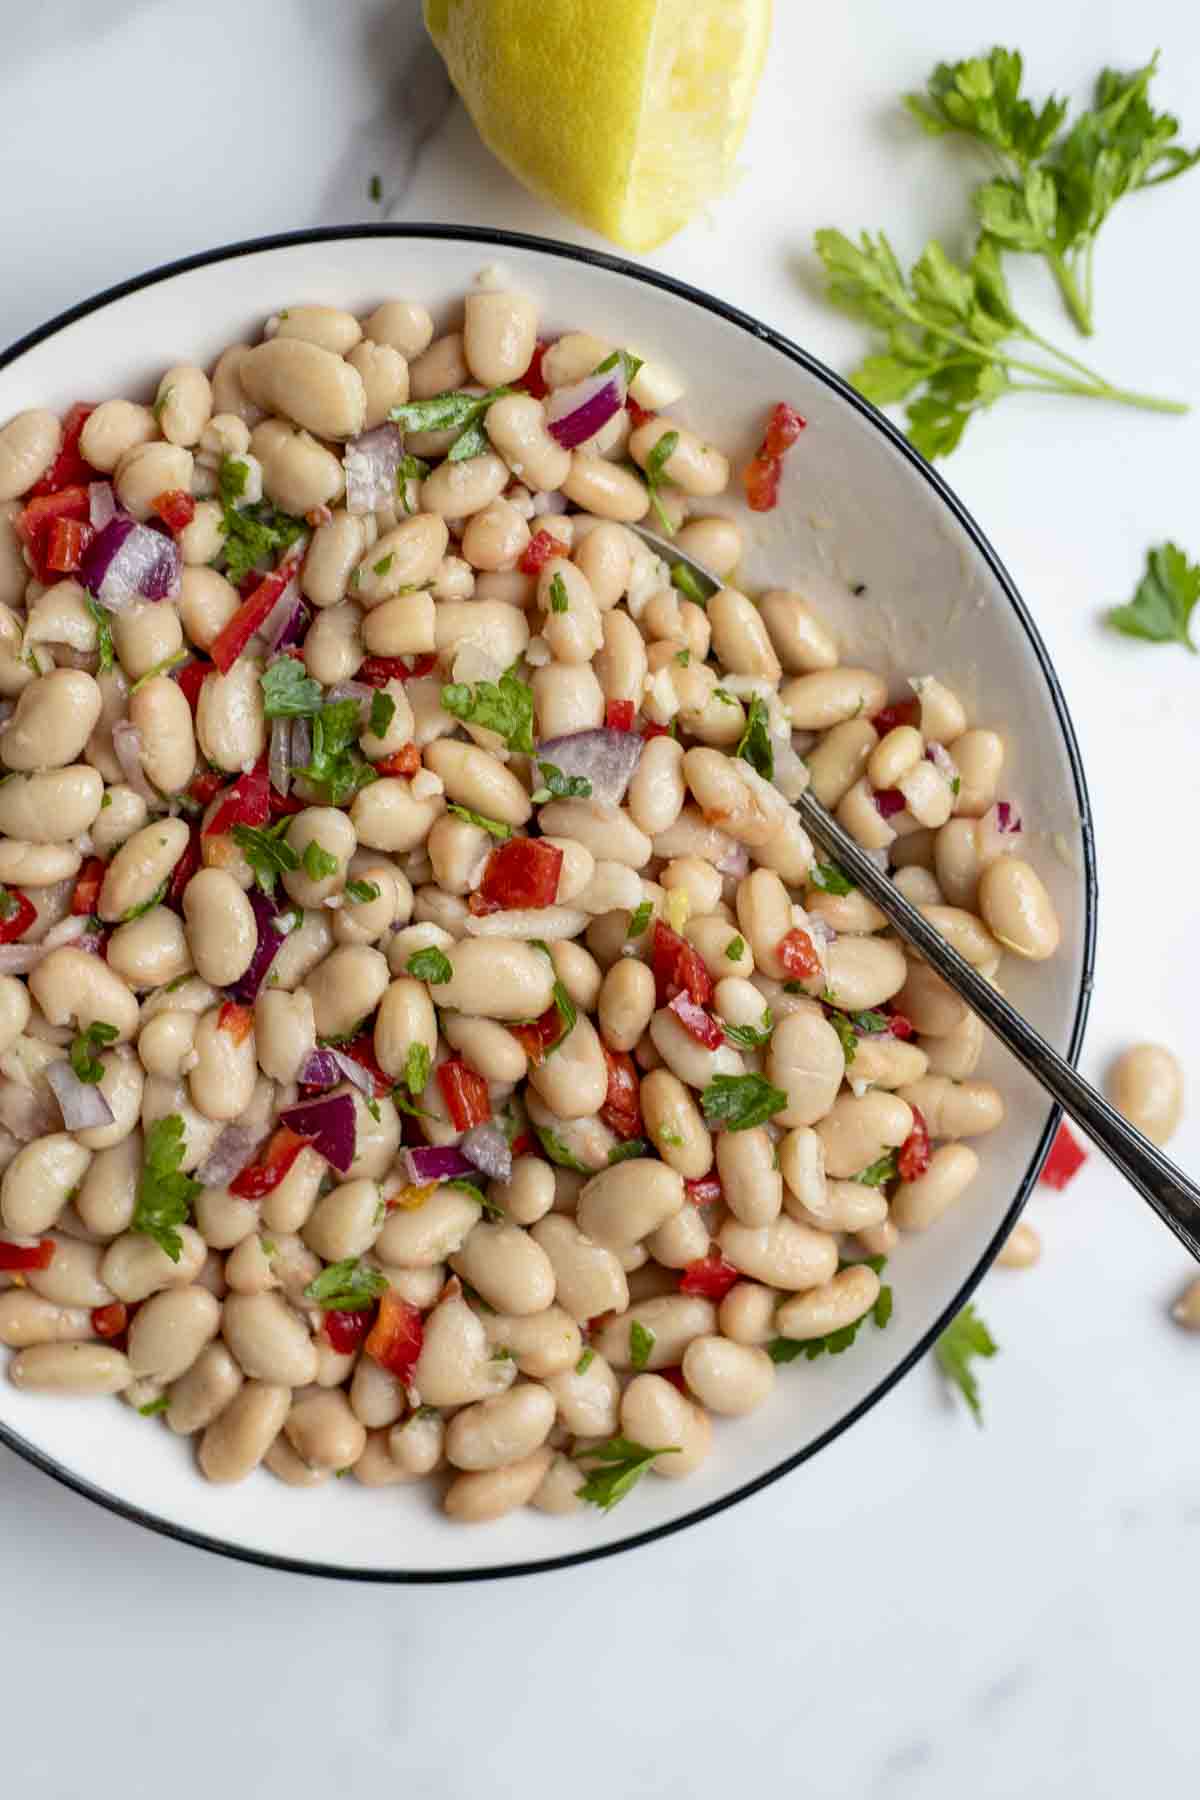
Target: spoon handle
(1174, 1198)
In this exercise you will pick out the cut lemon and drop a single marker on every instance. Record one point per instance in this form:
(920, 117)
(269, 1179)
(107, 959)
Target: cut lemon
(625, 113)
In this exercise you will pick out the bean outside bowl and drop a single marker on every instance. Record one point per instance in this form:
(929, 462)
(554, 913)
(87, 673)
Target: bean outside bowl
(894, 561)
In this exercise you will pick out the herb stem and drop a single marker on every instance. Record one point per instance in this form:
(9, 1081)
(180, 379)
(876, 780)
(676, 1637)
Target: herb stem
(1076, 302)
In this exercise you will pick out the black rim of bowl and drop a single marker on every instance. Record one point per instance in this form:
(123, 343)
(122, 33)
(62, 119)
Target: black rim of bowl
(745, 322)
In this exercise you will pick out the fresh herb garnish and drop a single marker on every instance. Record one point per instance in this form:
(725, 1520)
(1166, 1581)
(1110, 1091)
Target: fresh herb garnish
(505, 707)
(254, 535)
(687, 584)
(383, 565)
(416, 1068)
(136, 912)
(267, 851)
(362, 891)
(383, 711)
(559, 602)
(1166, 596)
(623, 1463)
(735, 949)
(164, 1193)
(641, 1343)
(739, 1102)
(411, 468)
(161, 668)
(334, 765)
(319, 863)
(754, 746)
(629, 364)
(786, 1350)
(879, 1173)
(557, 1151)
(104, 636)
(628, 1151)
(153, 1407)
(375, 188)
(830, 879)
(289, 691)
(585, 1362)
(494, 827)
(86, 1065)
(557, 786)
(346, 1286)
(452, 411)
(963, 1339)
(655, 475)
(430, 965)
(751, 1037)
(639, 918)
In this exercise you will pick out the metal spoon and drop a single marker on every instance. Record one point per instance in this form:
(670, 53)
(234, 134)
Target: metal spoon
(1173, 1196)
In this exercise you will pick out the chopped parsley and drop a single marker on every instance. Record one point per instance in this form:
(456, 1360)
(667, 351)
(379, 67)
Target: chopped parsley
(416, 1068)
(334, 765)
(557, 1151)
(161, 668)
(1162, 606)
(411, 469)
(687, 584)
(319, 863)
(830, 879)
(383, 565)
(754, 745)
(362, 891)
(740, 1102)
(375, 188)
(751, 1037)
(628, 363)
(430, 965)
(639, 919)
(879, 1173)
(585, 1361)
(655, 475)
(505, 707)
(346, 1286)
(164, 1193)
(84, 1045)
(267, 851)
(735, 949)
(452, 411)
(626, 1152)
(289, 691)
(786, 1350)
(641, 1342)
(557, 786)
(495, 827)
(383, 711)
(683, 658)
(622, 1465)
(965, 1338)
(559, 602)
(153, 1407)
(136, 912)
(254, 535)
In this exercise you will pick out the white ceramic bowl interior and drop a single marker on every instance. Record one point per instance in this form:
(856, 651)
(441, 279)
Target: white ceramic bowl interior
(859, 512)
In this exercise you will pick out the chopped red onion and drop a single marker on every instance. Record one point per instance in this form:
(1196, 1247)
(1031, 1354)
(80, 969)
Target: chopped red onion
(889, 802)
(127, 747)
(544, 503)
(126, 562)
(372, 462)
(605, 758)
(487, 1147)
(735, 862)
(301, 743)
(578, 412)
(1006, 818)
(81, 1103)
(245, 989)
(18, 959)
(28, 1112)
(943, 762)
(233, 1151)
(820, 931)
(437, 1162)
(329, 1124)
(350, 690)
(354, 1073)
(319, 1070)
(281, 755)
(278, 622)
(102, 508)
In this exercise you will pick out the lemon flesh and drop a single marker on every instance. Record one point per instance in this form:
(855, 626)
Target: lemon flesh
(627, 114)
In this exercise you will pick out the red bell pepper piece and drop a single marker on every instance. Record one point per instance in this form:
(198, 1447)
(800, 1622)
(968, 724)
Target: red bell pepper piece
(17, 914)
(618, 715)
(652, 730)
(522, 874)
(362, 1051)
(175, 508)
(622, 1108)
(678, 969)
(346, 1327)
(66, 544)
(465, 1093)
(915, 1152)
(696, 1022)
(761, 475)
(111, 1320)
(899, 1026)
(259, 1179)
(377, 671)
(184, 869)
(88, 883)
(538, 551)
(247, 802)
(533, 381)
(405, 761)
(36, 521)
(639, 415)
(705, 1190)
(1065, 1160)
(783, 428)
(69, 468)
(537, 1035)
(395, 1339)
(522, 1144)
(903, 712)
(205, 786)
(797, 952)
(229, 643)
(237, 1020)
(709, 1276)
(16, 1257)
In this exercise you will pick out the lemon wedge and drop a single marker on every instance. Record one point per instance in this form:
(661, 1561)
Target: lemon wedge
(627, 114)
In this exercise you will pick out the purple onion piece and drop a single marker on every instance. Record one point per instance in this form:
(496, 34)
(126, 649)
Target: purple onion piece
(372, 462)
(81, 1103)
(329, 1124)
(353, 1072)
(280, 761)
(605, 758)
(578, 412)
(319, 1070)
(233, 1151)
(281, 617)
(301, 743)
(245, 989)
(1006, 818)
(102, 508)
(437, 1162)
(487, 1147)
(127, 747)
(126, 562)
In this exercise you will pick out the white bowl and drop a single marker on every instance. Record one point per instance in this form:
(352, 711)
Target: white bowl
(860, 511)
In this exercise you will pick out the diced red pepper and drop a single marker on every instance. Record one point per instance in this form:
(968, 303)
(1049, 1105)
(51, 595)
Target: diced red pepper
(184, 869)
(711, 1277)
(538, 551)
(395, 1339)
(229, 643)
(639, 415)
(798, 954)
(16, 1257)
(652, 730)
(68, 540)
(88, 883)
(899, 1026)
(537, 1035)
(622, 1108)
(205, 786)
(522, 1144)
(696, 1022)
(903, 712)
(111, 1320)
(405, 761)
(346, 1328)
(288, 804)
(175, 508)
(377, 671)
(522, 875)
(17, 914)
(237, 1020)
(915, 1152)
(761, 475)
(618, 715)
(705, 1190)
(1067, 1156)
(362, 1051)
(261, 1177)
(465, 1093)
(783, 428)
(478, 907)
(247, 802)
(533, 381)
(69, 468)
(678, 969)
(36, 521)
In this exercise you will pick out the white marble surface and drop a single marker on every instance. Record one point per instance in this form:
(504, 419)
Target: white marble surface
(925, 1610)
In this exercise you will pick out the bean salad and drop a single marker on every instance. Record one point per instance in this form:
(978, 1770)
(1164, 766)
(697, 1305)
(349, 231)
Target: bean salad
(431, 1049)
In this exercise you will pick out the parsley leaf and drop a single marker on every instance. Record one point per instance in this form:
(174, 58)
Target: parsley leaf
(289, 691)
(416, 1068)
(161, 668)
(318, 862)
(739, 1102)
(622, 1465)
(735, 949)
(362, 891)
(411, 468)
(559, 602)
(164, 1193)
(254, 535)
(431, 965)
(104, 636)
(84, 1061)
(787, 1350)
(655, 475)
(830, 879)
(641, 1343)
(383, 711)
(557, 1151)
(751, 1037)
(334, 765)
(558, 786)
(879, 1173)
(346, 1286)
(452, 411)
(847, 1036)
(505, 707)
(1162, 607)
(153, 1407)
(688, 584)
(495, 827)
(964, 1338)
(265, 849)
(639, 918)
(626, 1152)
(585, 1362)
(629, 364)
(136, 912)
(755, 745)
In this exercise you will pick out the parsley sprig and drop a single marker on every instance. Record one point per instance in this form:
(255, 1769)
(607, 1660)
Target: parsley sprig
(755, 745)
(346, 1286)
(164, 1193)
(965, 1338)
(621, 1463)
(84, 1061)
(1166, 596)
(786, 1350)
(255, 536)
(505, 707)
(334, 764)
(452, 411)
